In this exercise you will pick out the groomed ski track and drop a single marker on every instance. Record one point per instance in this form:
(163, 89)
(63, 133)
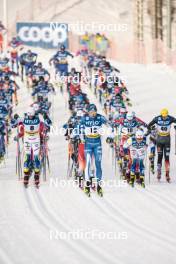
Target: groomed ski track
(30, 218)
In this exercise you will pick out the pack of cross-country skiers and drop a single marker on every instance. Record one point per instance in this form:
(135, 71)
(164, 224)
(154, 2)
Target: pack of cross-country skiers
(130, 138)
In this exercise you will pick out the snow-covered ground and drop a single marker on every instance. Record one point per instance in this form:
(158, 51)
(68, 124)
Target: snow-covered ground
(125, 226)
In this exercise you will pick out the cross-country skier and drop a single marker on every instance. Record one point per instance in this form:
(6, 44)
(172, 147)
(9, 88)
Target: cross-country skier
(37, 72)
(27, 61)
(137, 146)
(14, 47)
(32, 129)
(60, 61)
(91, 125)
(163, 124)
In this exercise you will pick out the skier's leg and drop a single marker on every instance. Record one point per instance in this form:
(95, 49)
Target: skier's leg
(160, 158)
(152, 156)
(88, 152)
(133, 170)
(167, 162)
(36, 169)
(98, 158)
(27, 161)
(81, 162)
(141, 169)
(36, 150)
(88, 155)
(2, 147)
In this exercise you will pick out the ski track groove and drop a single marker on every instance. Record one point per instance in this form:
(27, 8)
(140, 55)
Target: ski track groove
(155, 235)
(105, 257)
(132, 225)
(146, 230)
(170, 199)
(24, 241)
(37, 211)
(159, 201)
(48, 219)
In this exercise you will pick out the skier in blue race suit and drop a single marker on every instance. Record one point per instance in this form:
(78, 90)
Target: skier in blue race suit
(91, 125)
(60, 61)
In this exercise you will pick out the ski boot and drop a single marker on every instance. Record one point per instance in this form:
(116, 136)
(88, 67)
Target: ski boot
(87, 189)
(1, 158)
(167, 171)
(92, 183)
(132, 179)
(80, 181)
(167, 177)
(152, 168)
(142, 181)
(127, 176)
(151, 159)
(36, 177)
(137, 177)
(75, 175)
(119, 162)
(26, 177)
(99, 190)
(124, 173)
(159, 172)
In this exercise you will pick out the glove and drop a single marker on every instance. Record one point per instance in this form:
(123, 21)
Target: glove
(16, 138)
(129, 104)
(109, 140)
(16, 116)
(175, 127)
(67, 137)
(126, 157)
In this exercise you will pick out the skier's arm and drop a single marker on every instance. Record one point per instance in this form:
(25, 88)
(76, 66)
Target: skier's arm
(173, 119)
(35, 55)
(53, 58)
(153, 122)
(69, 54)
(35, 92)
(126, 147)
(140, 122)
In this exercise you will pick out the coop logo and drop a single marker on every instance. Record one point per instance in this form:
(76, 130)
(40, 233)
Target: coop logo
(43, 34)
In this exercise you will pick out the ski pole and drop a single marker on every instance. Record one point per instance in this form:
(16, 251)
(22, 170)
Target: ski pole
(149, 170)
(16, 154)
(68, 166)
(112, 157)
(115, 160)
(44, 168)
(175, 139)
(19, 167)
(145, 163)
